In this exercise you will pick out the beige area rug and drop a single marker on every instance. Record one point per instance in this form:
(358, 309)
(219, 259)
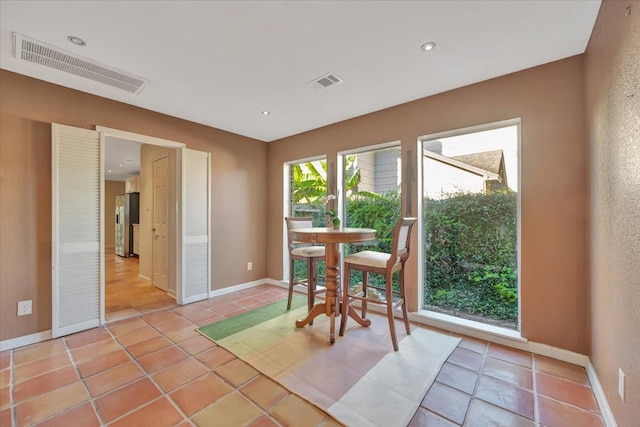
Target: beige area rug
(359, 380)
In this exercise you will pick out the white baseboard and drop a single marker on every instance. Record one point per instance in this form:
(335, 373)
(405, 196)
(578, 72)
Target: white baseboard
(598, 391)
(143, 277)
(12, 343)
(279, 283)
(78, 327)
(497, 335)
(285, 284)
(240, 287)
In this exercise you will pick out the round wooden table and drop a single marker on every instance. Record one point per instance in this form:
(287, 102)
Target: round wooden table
(331, 238)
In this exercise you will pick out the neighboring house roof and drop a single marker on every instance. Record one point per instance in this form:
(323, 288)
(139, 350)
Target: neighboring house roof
(487, 160)
(460, 163)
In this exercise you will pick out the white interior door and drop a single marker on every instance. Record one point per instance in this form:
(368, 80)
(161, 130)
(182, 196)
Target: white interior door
(77, 229)
(196, 247)
(160, 222)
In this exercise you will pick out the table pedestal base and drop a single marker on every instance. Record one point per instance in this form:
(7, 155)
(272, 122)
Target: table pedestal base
(331, 239)
(321, 308)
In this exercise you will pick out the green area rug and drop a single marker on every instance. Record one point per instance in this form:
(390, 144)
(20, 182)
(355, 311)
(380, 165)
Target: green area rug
(224, 328)
(359, 380)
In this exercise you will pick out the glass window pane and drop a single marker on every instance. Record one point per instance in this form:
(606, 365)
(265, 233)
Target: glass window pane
(470, 210)
(307, 196)
(308, 190)
(372, 200)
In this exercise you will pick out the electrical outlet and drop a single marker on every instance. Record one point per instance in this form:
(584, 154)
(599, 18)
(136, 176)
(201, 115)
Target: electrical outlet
(621, 381)
(249, 266)
(24, 308)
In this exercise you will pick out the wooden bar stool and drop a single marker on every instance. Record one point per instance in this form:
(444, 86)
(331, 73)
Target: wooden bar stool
(385, 265)
(311, 255)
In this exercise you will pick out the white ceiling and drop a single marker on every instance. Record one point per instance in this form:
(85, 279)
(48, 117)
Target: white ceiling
(122, 158)
(221, 63)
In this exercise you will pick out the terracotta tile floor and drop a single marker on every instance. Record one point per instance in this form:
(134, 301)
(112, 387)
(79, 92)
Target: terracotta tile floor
(126, 294)
(153, 369)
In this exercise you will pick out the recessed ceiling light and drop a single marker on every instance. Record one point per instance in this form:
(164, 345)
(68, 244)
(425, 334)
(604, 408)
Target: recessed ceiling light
(77, 40)
(109, 170)
(120, 165)
(265, 113)
(428, 46)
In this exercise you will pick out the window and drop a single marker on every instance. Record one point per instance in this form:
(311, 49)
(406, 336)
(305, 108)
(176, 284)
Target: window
(305, 192)
(470, 208)
(371, 187)
(308, 189)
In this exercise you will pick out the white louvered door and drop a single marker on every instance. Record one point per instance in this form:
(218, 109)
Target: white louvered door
(78, 233)
(196, 247)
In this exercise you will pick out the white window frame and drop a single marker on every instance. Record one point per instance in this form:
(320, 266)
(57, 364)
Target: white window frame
(286, 208)
(439, 319)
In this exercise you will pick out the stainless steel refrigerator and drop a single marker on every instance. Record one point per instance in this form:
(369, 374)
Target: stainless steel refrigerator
(127, 214)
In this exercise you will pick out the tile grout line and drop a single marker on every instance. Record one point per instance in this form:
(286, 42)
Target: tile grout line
(167, 394)
(12, 404)
(137, 408)
(536, 409)
(149, 375)
(264, 411)
(579, 408)
(238, 388)
(485, 354)
(80, 380)
(92, 401)
(533, 389)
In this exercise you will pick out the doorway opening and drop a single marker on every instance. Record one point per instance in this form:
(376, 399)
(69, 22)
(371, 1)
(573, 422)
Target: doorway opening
(78, 229)
(138, 182)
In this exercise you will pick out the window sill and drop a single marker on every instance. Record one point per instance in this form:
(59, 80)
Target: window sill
(467, 327)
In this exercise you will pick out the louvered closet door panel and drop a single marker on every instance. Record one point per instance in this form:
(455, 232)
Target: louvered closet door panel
(196, 255)
(77, 235)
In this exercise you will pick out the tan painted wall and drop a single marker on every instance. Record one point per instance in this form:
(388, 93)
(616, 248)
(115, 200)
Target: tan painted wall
(25, 221)
(612, 75)
(550, 101)
(111, 190)
(27, 108)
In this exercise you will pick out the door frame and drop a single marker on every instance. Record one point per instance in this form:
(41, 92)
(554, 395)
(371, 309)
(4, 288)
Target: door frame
(175, 263)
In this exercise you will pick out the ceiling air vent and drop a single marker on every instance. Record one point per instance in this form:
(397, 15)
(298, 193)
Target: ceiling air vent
(40, 53)
(329, 79)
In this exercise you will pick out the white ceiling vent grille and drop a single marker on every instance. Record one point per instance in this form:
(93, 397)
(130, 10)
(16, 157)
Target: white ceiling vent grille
(40, 53)
(329, 79)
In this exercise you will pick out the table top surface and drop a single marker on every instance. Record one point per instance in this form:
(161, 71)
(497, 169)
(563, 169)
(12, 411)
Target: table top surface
(330, 234)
